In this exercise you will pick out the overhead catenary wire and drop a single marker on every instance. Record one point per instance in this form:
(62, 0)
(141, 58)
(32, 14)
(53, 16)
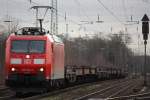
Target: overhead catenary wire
(45, 13)
(85, 14)
(99, 1)
(83, 10)
(124, 8)
(70, 20)
(33, 2)
(88, 20)
(59, 14)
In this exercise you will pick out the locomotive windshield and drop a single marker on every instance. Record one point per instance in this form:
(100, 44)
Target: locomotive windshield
(28, 46)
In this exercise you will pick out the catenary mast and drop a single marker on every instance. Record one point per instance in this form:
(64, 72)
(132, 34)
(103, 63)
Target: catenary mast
(54, 17)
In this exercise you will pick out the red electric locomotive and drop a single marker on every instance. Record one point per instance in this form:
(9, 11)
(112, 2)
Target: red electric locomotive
(36, 58)
(32, 56)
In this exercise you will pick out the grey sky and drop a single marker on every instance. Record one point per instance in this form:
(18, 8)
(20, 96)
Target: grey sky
(82, 10)
(79, 10)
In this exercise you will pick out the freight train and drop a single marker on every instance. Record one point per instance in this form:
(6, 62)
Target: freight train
(36, 58)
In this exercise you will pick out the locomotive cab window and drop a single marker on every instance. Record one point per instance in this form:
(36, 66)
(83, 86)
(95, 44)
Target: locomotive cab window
(37, 47)
(28, 46)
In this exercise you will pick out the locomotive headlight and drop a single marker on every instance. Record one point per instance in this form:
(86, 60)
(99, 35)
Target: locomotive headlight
(15, 61)
(41, 69)
(13, 69)
(39, 61)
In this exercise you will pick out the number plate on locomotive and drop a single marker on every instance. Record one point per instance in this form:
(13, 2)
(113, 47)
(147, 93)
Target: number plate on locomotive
(27, 61)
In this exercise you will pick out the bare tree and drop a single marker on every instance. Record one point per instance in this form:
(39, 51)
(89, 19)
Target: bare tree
(97, 51)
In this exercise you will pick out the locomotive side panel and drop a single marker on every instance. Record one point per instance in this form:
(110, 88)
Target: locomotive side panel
(49, 58)
(7, 58)
(58, 67)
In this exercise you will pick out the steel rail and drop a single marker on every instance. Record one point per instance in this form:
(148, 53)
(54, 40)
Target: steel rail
(122, 90)
(61, 90)
(100, 91)
(8, 97)
(67, 89)
(7, 94)
(142, 95)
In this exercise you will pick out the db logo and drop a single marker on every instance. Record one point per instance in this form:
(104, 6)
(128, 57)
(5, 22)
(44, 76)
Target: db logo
(27, 61)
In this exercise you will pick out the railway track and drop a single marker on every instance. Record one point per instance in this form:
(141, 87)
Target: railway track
(141, 96)
(73, 89)
(6, 93)
(128, 88)
(111, 91)
(63, 90)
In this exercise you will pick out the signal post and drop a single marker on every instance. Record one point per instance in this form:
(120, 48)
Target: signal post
(145, 32)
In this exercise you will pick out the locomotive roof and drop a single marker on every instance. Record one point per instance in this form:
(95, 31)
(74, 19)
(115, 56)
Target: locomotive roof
(35, 33)
(30, 31)
(52, 38)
